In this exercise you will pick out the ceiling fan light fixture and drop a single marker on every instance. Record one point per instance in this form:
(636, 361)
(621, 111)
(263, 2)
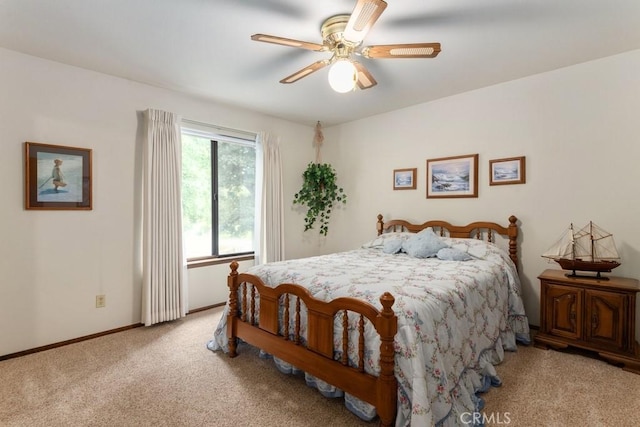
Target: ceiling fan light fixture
(343, 76)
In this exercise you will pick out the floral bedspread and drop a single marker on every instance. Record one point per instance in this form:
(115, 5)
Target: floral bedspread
(455, 318)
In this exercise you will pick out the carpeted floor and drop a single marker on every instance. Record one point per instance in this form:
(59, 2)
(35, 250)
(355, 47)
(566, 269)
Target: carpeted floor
(165, 376)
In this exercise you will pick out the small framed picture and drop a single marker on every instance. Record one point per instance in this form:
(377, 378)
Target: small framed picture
(507, 171)
(57, 177)
(404, 179)
(452, 177)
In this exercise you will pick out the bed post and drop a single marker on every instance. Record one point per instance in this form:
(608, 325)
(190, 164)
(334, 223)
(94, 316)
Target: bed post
(380, 224)
(387, 384)
(513, 240)
(232, 316)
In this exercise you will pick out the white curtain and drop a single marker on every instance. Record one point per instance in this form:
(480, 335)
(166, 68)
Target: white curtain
(269, 245)
(164, 275)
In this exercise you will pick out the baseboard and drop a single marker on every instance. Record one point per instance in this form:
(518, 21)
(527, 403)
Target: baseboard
(67, 342)
(209, 307)
(92, 336)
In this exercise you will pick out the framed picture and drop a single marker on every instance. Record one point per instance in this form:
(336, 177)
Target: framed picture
(452, 177)
(57, 177)
(404, 179)
(507, 171)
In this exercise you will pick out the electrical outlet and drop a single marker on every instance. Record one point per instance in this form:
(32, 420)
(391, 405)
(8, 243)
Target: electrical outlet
(100, 301)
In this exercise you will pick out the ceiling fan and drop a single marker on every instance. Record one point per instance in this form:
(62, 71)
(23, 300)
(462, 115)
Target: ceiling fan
(342, 35)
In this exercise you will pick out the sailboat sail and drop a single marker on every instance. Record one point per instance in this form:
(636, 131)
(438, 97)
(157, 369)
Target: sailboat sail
(563, 248)
(595, 244)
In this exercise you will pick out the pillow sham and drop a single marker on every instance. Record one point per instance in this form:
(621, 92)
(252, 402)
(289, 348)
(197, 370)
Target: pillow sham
(392, 246)
(479, 249)
(425, 244)
(379, 241)
(453, 254)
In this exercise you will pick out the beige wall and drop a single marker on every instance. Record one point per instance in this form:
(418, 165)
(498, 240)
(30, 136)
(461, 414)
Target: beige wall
(577, 126)
(54, 263)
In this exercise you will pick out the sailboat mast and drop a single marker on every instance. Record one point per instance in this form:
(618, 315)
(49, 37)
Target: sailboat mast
(573, 243)
(593, 244)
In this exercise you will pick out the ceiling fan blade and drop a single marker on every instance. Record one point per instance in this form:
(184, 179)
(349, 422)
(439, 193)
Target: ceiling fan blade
(365, 79)
(305, 71)
(287, 42)
(364, 15)
(411, 50)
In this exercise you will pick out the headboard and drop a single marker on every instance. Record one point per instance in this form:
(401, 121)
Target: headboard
(482, 230)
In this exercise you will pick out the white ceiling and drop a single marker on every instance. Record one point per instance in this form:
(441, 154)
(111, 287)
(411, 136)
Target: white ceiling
(203, 47)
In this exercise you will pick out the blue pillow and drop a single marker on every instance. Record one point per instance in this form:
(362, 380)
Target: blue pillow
(424, 244)
(392, 246)
(453, 254)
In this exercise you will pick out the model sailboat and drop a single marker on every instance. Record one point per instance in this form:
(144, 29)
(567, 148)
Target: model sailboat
(588, 249)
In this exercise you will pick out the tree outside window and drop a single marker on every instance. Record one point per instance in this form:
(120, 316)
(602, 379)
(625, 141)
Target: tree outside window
(218, 196)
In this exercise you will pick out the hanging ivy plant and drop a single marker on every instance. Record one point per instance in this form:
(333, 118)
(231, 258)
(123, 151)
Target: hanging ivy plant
(318, 193)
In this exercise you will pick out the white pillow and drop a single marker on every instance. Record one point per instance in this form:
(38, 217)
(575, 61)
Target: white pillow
(379, 241)
(453, 254)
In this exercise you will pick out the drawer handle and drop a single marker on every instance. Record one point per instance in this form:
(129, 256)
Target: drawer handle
(594, 321)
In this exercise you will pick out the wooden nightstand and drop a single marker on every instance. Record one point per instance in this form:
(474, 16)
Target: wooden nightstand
(595, 315)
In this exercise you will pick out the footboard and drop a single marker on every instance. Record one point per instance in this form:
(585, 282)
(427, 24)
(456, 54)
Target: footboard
(315, 355)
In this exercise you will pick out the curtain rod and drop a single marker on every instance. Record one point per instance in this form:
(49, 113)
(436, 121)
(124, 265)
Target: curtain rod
(221, 128)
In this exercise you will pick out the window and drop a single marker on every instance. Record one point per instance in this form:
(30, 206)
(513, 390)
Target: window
(218, 192)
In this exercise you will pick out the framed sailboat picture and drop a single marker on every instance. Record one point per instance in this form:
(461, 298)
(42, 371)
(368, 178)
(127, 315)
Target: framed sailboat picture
(507, 171)
(57, 177)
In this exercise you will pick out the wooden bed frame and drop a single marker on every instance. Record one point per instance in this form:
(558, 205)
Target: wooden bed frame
(316, 354)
